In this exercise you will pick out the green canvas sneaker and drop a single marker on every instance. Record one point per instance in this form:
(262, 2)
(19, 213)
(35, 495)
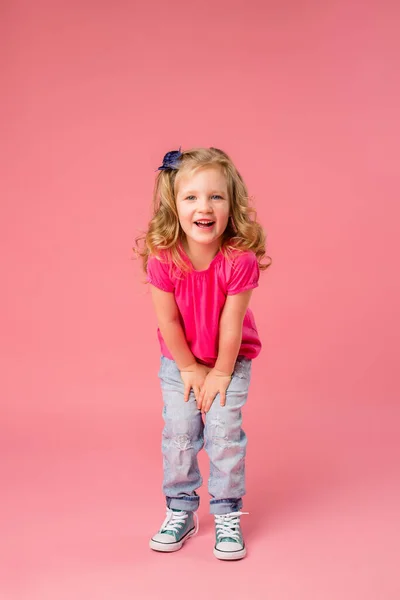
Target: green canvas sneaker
(178, 526)
(229, 544)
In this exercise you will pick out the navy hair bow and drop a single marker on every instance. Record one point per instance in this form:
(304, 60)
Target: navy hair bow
(171, 160)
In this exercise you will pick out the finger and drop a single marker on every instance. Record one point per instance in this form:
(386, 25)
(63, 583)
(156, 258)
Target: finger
(223, 398)
(200, 399)
(196, 391)
(208, 403)
(186, 393)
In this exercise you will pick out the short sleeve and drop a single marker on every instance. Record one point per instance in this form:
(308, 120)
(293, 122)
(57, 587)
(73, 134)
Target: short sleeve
(245, 273)
(158, 274)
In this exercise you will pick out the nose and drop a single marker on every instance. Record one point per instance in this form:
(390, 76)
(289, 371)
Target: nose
(204, 204)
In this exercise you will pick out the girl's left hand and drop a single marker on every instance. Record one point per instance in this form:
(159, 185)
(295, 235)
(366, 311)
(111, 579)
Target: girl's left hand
(215, 382)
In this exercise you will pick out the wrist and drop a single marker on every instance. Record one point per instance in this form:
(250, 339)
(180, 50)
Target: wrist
(189, 367)
(227, 356)
(222, 373)
(225, 365)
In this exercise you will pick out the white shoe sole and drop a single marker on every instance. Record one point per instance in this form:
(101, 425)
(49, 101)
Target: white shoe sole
(237, 555)
(172, 547)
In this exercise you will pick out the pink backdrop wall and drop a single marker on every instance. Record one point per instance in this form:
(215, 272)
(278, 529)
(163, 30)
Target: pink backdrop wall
(304, 97)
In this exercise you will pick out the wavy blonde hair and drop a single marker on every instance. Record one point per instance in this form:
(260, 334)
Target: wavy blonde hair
(164, 233)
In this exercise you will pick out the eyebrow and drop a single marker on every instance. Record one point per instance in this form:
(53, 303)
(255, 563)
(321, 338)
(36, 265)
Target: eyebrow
(195, 192)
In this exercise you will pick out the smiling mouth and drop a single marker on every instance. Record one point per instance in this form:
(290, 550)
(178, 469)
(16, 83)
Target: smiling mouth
(204, 224)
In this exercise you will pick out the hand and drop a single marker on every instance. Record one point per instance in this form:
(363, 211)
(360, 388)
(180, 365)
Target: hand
(216, 382)
(194, 376)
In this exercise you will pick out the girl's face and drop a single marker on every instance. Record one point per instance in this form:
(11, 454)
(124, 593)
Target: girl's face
(202, 203)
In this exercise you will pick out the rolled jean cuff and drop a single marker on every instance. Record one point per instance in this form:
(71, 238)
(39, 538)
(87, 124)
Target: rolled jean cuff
(185, 502)
(225, 506)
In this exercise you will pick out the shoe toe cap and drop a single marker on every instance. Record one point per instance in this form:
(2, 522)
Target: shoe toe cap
(229, 547)
(164, 538)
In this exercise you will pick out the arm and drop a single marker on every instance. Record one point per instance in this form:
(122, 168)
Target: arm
(230, 331)
(230, 338)
(167, 314)
(192, 373)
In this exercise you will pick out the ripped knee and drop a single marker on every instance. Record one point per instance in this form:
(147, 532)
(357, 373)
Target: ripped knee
(182, 434)
(182, 441)
(218, 433)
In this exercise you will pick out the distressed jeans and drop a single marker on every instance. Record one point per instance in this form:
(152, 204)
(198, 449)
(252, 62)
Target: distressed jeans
(185, 433)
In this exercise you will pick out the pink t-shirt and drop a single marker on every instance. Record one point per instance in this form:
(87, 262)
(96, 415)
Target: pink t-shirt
(200, 297)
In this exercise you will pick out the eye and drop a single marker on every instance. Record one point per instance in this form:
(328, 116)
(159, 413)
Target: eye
(217, 196)
(190, 197)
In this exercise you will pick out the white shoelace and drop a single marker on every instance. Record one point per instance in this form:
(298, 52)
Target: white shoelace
(228, 525)
(175, 520)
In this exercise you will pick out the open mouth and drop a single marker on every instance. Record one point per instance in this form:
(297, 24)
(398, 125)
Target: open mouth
(204, 224)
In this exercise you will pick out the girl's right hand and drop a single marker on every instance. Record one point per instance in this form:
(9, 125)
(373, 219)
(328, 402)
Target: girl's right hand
(193, 376)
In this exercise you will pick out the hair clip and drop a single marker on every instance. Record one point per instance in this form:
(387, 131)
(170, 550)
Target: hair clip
(171, 160)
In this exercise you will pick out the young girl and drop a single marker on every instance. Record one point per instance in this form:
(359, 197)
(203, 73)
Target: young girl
(202, 256)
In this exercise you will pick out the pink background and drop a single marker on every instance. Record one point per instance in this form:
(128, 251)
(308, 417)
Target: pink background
(304, 96)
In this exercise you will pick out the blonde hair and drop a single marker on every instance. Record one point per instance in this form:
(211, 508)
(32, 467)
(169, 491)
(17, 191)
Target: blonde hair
(164, 233)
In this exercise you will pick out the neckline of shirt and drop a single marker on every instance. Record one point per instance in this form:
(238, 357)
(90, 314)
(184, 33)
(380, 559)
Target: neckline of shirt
(187, 259)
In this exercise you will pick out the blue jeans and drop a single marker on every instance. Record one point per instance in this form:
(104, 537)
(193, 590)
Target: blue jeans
(184, 435)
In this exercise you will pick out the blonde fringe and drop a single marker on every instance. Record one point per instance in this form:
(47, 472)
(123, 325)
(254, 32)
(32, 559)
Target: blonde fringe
(164, 233)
